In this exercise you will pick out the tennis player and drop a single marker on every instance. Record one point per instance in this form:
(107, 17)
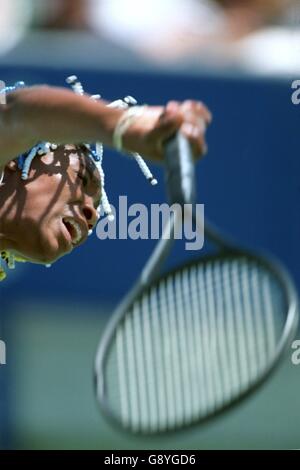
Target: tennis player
(49, 204)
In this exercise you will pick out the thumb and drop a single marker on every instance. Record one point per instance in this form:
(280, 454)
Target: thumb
(167, 125)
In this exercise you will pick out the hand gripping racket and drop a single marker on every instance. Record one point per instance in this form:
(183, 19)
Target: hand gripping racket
(186, 345)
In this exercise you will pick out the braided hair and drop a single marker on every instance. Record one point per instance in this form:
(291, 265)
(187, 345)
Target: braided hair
(94, 151)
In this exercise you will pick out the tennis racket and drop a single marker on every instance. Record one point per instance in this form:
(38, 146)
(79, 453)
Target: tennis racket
(184, 346)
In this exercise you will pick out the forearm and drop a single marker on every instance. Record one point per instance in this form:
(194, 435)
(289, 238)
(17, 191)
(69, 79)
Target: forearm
(55, 115)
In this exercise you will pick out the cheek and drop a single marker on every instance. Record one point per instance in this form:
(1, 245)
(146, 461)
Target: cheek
(48, 195)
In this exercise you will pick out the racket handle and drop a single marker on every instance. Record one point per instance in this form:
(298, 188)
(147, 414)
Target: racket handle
(2, 93)
(180, 170)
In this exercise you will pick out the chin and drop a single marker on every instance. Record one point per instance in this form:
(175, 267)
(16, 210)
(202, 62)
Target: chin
(51, 255)
(47, 250)
(38, 258)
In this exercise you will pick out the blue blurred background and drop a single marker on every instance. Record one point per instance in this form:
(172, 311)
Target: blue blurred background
(52, 319)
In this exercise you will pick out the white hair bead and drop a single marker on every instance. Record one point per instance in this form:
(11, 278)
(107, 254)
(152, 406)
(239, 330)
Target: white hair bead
(145, 169)
(71, 79)
(118, 104)
(130, 101)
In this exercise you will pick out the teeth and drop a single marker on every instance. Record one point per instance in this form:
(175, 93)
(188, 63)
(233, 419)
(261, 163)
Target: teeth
(78, 233)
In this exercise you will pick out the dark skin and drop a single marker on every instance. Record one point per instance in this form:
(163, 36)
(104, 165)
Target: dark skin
(53, 114)
(48, 215)
(61, 186)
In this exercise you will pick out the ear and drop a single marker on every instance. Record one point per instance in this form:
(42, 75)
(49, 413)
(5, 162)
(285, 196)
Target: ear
(12, 165)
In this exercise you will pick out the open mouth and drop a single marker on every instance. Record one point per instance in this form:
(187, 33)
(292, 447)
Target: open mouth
(74, 230)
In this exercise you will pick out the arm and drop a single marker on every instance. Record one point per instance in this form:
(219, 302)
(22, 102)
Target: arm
(58, 115)
(52, 114)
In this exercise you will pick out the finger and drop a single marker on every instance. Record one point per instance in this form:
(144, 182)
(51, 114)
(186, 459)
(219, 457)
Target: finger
(195, 138)
(205, 112)
(192, 108)
(169, 122)
(173, 106)
(170, 111)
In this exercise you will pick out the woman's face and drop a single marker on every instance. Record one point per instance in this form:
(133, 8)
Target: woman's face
(56, 206)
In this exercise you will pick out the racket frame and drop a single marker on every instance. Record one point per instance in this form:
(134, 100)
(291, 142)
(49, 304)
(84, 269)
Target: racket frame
(150, 276)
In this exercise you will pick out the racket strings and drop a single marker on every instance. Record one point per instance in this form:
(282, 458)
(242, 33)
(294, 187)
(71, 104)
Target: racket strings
(193, 343)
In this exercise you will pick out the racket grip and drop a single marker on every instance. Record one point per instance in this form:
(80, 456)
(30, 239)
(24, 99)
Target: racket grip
(2, 93)
(179, 170)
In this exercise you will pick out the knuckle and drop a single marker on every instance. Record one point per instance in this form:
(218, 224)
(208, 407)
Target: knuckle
(189, 103)
(200, 105)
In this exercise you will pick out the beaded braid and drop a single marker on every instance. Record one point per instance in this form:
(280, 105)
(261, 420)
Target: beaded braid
(95, 152)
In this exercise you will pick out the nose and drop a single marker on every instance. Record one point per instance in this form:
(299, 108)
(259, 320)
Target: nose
(90, 214)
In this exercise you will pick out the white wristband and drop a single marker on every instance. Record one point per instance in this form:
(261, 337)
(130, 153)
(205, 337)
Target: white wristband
(126, 120)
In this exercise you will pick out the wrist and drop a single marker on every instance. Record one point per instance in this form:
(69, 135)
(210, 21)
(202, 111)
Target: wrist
(127, 119)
